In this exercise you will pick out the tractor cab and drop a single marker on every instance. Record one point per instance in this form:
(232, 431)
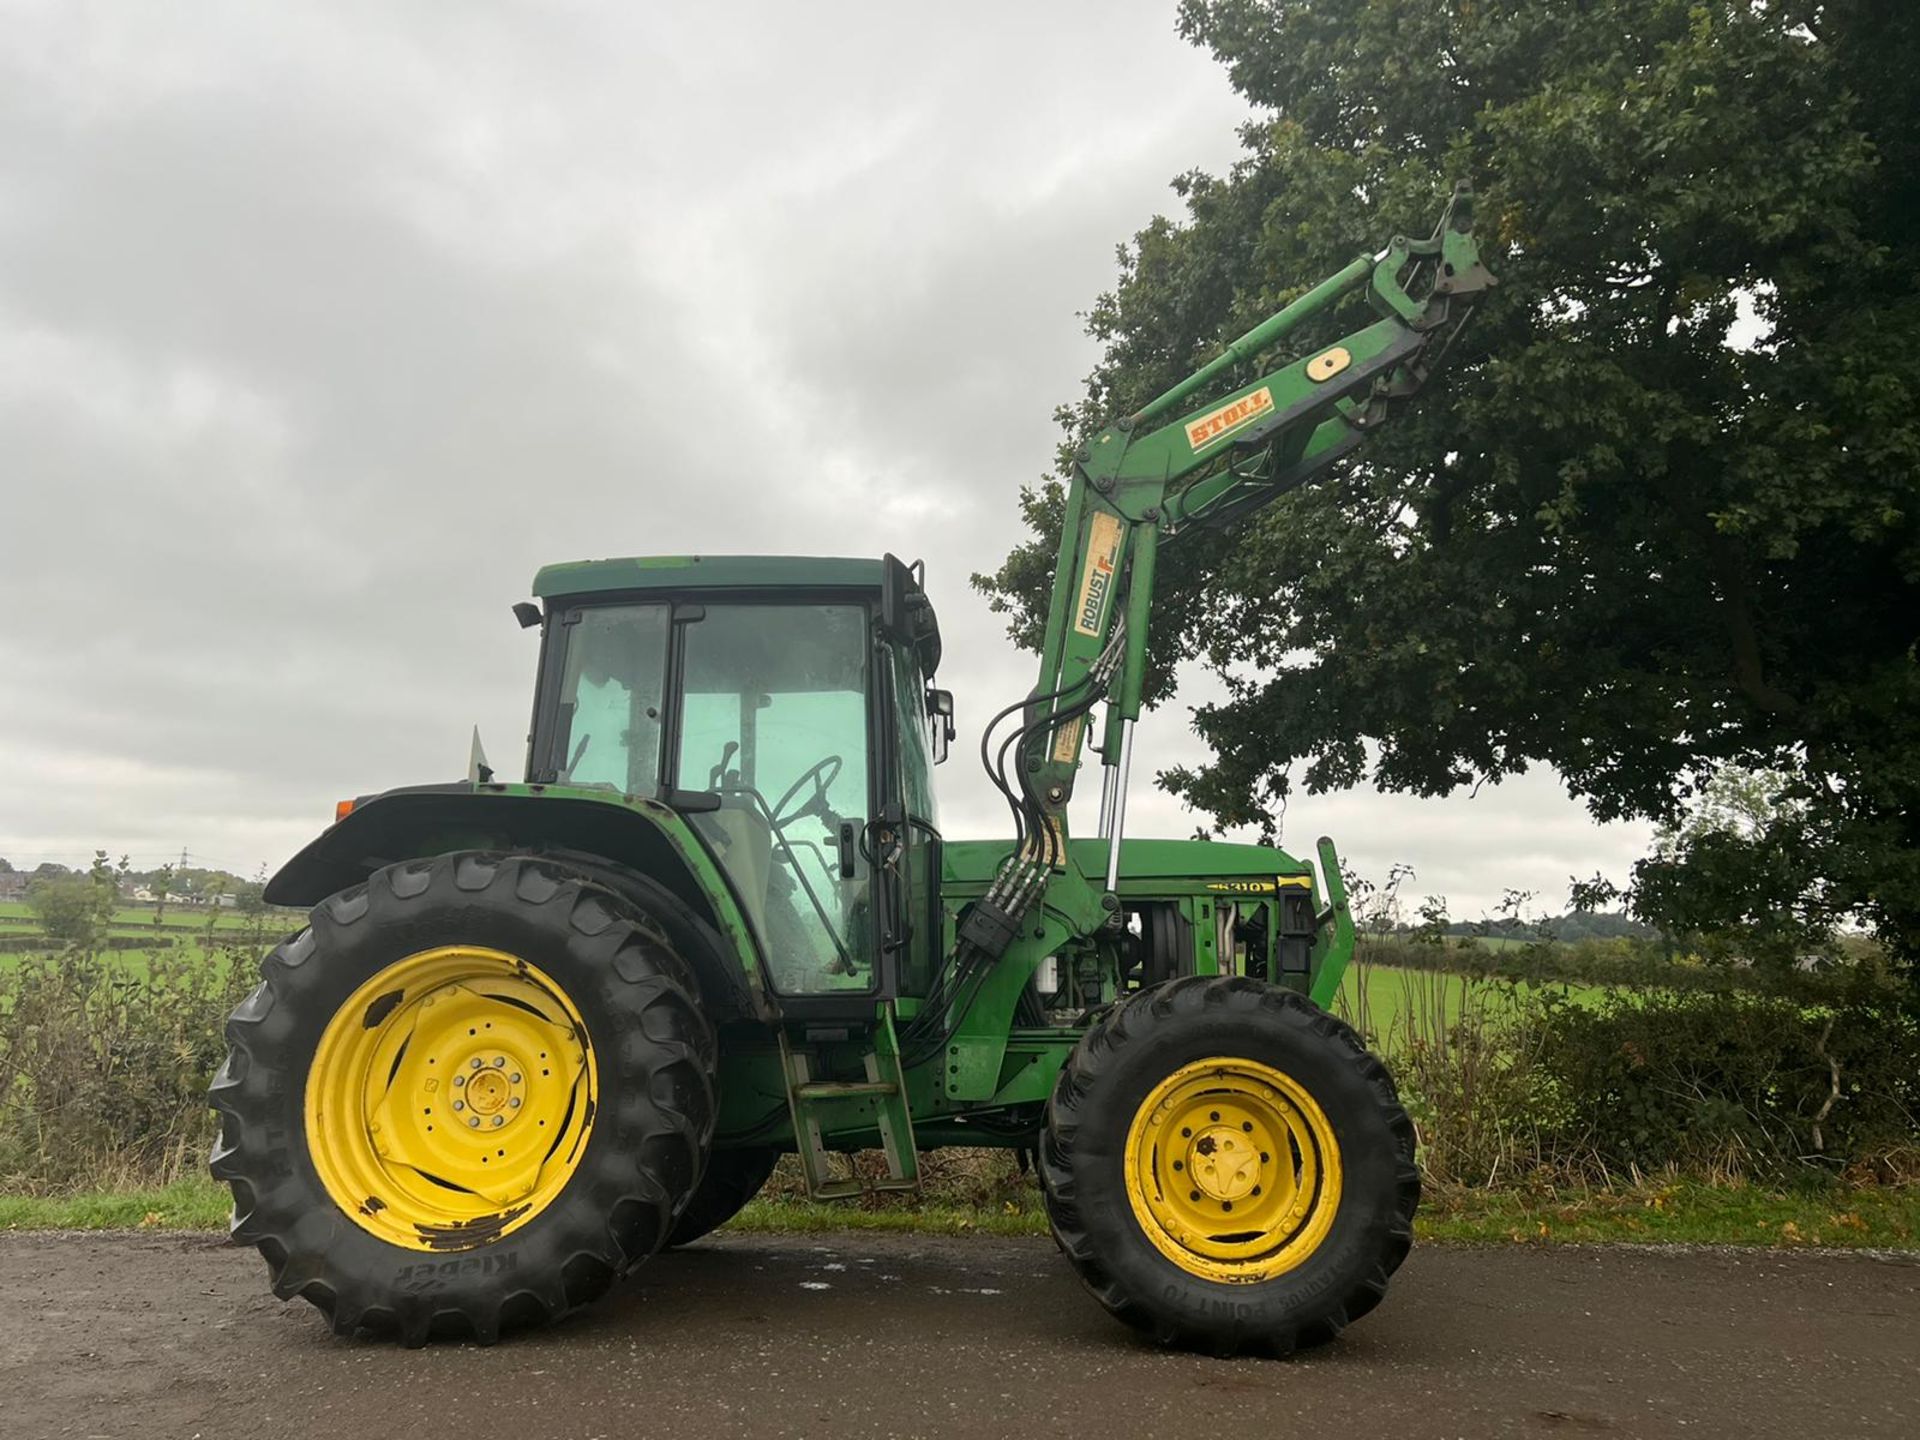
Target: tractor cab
(784, 706)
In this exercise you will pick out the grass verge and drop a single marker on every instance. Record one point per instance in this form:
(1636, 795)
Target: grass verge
(196, 1204)
(1684, 1213)
(1673, 1214)
(1690, 1213)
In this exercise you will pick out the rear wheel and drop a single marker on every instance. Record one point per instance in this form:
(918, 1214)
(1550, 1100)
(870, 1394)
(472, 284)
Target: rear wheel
(733, 1178)
(1227, 1168)
(471, 1094)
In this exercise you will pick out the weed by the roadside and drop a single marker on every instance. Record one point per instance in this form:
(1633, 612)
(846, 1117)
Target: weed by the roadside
(104, 1067)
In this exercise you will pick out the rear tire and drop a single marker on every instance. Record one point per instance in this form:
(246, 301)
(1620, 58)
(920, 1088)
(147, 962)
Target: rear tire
(1227, 1168)
(733, 1178)
(541, 961)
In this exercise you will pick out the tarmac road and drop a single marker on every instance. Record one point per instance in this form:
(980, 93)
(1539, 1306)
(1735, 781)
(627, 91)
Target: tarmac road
(144, 1336)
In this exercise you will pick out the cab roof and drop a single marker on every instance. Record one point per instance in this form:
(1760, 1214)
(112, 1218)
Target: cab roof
(915, 623)
(715, 572)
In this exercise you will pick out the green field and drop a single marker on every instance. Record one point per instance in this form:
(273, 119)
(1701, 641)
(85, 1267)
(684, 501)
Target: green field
(17, 917)
(1391, 1005)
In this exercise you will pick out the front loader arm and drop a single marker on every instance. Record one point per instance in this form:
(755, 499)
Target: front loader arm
(1139, 483)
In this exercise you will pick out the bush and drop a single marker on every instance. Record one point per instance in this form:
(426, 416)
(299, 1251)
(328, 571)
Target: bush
(73, 909)
(1508, 1081)
(1732, 1084)
(1484, 1106)
(103, 1071)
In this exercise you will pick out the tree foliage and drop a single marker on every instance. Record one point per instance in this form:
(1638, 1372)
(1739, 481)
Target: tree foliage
(78, 909)
(1632, 534)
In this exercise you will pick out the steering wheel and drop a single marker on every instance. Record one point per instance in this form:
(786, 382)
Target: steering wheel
(822, 773)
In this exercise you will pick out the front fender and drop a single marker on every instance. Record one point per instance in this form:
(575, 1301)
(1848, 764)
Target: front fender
(627, 833)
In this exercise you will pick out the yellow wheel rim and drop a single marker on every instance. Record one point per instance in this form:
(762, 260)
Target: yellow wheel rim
(1233, 1170)
(450, 1098)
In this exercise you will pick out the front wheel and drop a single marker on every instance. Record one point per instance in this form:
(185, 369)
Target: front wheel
(1227, 1168)
(472, 1093)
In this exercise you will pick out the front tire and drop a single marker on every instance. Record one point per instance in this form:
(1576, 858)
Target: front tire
(469, 1096)
(1228, 1169)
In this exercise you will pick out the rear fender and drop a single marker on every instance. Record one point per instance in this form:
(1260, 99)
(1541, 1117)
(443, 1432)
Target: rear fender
(630, 844)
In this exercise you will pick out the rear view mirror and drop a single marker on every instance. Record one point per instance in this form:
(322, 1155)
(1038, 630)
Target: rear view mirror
(940, 712)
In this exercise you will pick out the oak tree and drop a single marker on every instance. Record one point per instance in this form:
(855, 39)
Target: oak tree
(1660, 518)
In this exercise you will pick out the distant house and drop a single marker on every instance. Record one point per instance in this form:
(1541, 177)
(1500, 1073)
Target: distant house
(13, 885)
(223, 902)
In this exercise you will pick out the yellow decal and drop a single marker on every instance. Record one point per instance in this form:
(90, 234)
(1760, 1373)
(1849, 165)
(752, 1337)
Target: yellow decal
(1329, 363)
(1067, 746)
(1096, 582)
(1232, 416)
(1242, 887)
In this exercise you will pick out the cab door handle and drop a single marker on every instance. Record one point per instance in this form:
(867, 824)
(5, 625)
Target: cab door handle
(847, 849)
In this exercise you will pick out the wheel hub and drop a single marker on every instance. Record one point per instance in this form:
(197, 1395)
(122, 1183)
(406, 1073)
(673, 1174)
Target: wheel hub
(1232, 1170)
(1224, 1163)
(452, 1089)
(493, 1092)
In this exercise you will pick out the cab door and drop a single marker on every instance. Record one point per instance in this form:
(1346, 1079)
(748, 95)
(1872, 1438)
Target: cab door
(912, 932)
(774, 718)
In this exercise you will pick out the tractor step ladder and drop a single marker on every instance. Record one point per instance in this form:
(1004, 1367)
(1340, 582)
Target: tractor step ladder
(884, 1091)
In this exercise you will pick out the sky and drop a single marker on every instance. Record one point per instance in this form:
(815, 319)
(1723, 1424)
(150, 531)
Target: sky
(322, 326)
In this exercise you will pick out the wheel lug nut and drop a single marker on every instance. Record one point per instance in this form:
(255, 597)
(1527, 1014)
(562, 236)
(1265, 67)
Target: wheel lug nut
(459, 1104)
(458, 1081)
(514, 1102)
(499, 1062)
(498, 1121)
(474, 1122)
(514, 1078)
(476, 1062)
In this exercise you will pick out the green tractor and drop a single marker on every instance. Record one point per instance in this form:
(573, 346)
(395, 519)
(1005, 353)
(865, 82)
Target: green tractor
(535, 1032)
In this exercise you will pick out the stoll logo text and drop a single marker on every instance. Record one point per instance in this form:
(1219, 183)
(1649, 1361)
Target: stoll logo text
(1217, 424)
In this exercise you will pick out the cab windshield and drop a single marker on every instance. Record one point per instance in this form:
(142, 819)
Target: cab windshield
(773, 718)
